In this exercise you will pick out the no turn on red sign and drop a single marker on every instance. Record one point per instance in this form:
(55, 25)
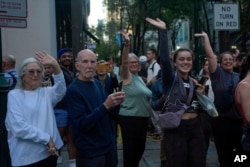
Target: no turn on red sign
(226, 16)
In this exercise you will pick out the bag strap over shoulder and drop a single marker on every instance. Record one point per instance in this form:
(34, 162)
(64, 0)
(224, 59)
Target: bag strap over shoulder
(190, 94)
(191, 91)
(153, 65)
(169, 93)
(14, 80)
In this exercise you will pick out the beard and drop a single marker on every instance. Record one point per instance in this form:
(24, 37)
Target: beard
(65, 64)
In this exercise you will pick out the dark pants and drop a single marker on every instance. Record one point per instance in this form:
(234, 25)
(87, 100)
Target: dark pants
(227, 137)
(134, 132)
(205, 120)
(50, 161)
(185, 145)
(107, 160)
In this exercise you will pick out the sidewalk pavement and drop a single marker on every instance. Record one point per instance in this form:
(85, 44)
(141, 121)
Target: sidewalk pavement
(151, 156)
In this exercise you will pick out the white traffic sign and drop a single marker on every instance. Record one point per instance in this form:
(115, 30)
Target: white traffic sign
(12, 22)
(13, 8)
(226, 16)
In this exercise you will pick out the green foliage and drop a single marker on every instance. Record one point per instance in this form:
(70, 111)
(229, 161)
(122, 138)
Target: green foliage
(244, 15)
(106, 34)
(107, 49)
(133, 13)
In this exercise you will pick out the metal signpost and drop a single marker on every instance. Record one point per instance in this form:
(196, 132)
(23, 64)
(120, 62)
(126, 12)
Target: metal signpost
(13, 14)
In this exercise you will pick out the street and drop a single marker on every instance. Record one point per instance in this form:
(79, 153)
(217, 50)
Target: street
(151, 156)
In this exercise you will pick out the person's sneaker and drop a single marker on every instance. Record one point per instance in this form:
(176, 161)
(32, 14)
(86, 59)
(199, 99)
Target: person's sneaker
(157, 137)
(59, 160)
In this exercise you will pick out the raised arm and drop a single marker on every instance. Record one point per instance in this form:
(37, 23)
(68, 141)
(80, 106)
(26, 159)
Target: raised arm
(58, 90)
(46, 59)
(211, 57)
(167, 70)
(124, 70)
(157, 23)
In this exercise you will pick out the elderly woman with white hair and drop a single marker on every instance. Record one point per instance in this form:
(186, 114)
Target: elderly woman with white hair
(135, 110)
(33, 137)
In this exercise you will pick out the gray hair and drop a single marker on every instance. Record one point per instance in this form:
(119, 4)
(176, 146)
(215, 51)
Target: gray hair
(9, 59)
(83, 52)
(133, 55)
(22, 70)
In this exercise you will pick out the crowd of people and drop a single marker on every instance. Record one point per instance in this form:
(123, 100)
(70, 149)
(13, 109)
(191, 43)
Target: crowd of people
(49, 106)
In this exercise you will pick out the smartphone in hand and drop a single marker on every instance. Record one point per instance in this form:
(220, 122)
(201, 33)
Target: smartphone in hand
(203, 80)
(119, 39)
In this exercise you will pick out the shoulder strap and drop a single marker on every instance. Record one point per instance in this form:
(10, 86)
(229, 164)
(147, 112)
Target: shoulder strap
(14, 80)
(166, 101)
(191, 91)
(190, 94)
(152, 68)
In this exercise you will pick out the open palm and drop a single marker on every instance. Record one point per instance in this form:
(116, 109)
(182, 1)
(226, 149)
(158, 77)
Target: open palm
(157, 23)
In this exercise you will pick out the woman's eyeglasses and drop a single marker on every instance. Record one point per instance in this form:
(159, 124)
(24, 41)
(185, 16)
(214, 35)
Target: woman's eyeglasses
(33, 72)
(133, 62)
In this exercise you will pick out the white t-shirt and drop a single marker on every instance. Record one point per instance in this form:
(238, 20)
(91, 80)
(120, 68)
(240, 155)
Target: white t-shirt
(153, 70)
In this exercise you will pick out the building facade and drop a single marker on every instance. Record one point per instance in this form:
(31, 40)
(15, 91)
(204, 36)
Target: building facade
(51, 25)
